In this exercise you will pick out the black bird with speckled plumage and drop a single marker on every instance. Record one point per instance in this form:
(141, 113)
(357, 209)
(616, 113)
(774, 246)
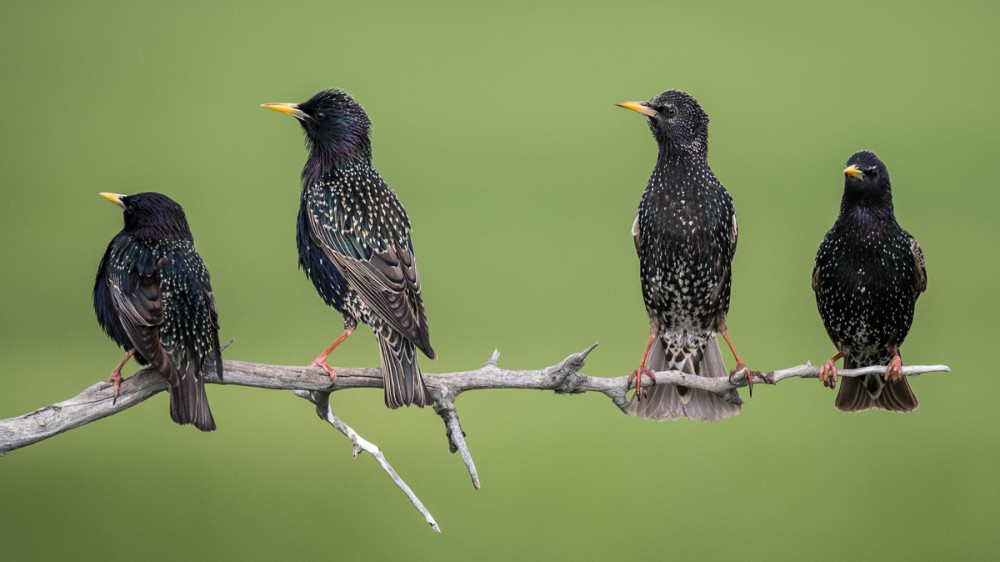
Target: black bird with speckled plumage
(153, 297)
(867, 277)
(685, 236)
(354, 242)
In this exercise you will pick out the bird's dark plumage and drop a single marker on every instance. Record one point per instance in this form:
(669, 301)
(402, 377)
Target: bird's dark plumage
(867, 277)
(153, 297)
(354, 242)
(685, 236)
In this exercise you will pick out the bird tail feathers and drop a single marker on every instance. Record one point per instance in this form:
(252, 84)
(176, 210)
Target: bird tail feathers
(671, 402)
(189, 402)
(404, 385)
(858, 394)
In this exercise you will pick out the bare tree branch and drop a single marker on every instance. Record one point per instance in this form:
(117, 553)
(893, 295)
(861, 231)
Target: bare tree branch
(96, 401)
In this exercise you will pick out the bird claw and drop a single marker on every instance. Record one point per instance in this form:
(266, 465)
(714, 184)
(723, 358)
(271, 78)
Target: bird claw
(750, 374)
(636, 376)
(321, 363)
(895, 371)
(828, 374)
(116, 379)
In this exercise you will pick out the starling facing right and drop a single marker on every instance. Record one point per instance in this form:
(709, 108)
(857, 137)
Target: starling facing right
(154, 298)
(868, 275)
(685, 236)
(354, 242)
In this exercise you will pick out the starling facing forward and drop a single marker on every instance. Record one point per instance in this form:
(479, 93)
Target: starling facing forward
(354, 242)
(868, 275)
(685, 236)
(154, 298)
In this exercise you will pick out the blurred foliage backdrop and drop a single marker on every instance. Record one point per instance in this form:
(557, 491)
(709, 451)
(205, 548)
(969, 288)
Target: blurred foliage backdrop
(495, 125)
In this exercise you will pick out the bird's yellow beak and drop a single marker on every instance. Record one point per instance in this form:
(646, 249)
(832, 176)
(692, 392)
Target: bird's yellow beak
(115, 198)
(854, 172)
(638, 106)
(289, 108)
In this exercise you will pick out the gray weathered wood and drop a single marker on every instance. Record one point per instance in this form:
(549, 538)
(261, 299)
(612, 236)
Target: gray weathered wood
(96, 401)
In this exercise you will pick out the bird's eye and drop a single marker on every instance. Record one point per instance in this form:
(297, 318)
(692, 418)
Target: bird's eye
(320, 115)
(670, 111)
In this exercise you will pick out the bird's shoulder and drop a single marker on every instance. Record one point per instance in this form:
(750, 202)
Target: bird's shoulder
(104, 302)
(357, 211)
(134, 255)
(918, 260)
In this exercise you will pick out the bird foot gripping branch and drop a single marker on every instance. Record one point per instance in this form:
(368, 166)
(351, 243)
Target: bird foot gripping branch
(320, 360)
(741, 371)
(828, 372)
(894, 371)
(635, 378)
(116, 375)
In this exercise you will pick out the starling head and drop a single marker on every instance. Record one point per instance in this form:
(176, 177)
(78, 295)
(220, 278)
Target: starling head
(151, 215)
(866, 180)
(676, 119)
(336, 128)
(864, 167)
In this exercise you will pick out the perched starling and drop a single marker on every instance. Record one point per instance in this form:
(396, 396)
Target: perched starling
(154, 298)
(354, 242)
(868, 275)
(685, 236)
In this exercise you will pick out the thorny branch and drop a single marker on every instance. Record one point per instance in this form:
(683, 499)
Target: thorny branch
(96, 401)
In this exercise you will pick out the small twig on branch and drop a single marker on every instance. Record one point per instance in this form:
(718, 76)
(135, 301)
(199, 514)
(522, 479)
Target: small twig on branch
(456, 437)
(325, 411)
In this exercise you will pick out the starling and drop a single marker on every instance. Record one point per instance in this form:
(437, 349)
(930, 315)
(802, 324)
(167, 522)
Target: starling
(154, 298)
(354, 242)
(685, 236)
(867, 277)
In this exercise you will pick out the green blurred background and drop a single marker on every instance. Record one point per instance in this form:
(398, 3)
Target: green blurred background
(496, 126)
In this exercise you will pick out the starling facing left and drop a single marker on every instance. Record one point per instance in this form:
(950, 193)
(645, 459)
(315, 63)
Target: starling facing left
(867, 277)
(685, 237)
(154, 298)
(354, 242)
